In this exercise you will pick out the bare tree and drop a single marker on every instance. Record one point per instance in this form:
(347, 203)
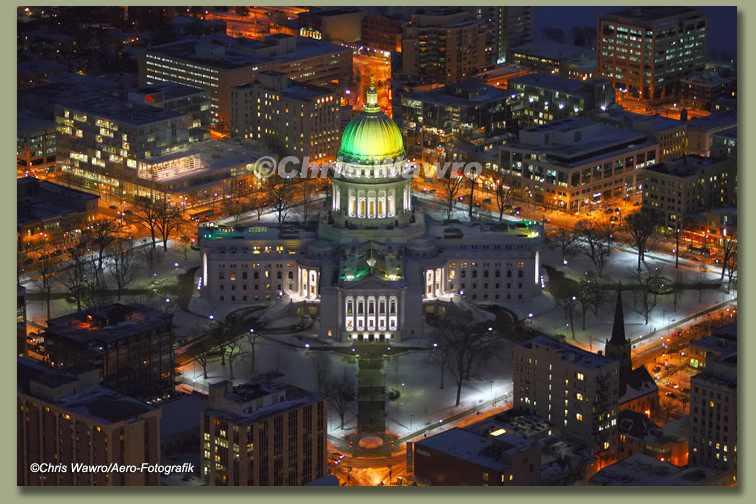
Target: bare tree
(169, 220)
(282, 195)
(440, 355)
(74, 276)
(147, 213)
(570, 303)
(322, 366)
(646, 293)
(123, 265)
(504, 194)
(597, 239)
(729, 250)
(470, 345)
(452, 184)
(584, 298)
(102, 234)
(309, 194)
(151, 256)
(340, 392)
(233, 349)
(641, 226)
(564, 240)
(45, 266)
(252, 337)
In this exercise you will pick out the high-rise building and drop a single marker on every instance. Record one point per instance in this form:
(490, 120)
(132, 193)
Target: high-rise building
(714, 415)
(339, 25)
(131, 344)
(217, 64)
(504, 27)
(442, 46)
(35, 144)
(263, 433)
(65, 417)
(574, 390)
(382, 33)
(290, 117)
(645, 51)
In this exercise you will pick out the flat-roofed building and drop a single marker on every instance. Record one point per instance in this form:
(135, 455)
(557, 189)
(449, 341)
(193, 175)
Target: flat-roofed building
(701, 130)
(545, 56)
(293, 118)
(339, 25)
(218, 63)
(540, 98)
(263, 433)
(131, 344)
(644, 470)
(35, 144)
(382, 33)
(702, 91)
(65, 417)
(670, 134)
(680, 186)
(442, 45)
(638, 434)
(459, 457)
(645, 51)
(574, 390)
(714, 414)
(573, 162)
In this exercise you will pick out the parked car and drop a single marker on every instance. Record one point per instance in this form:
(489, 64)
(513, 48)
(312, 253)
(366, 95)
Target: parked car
(113, 207)
(637, 203)
(671, 395)
(517, 210)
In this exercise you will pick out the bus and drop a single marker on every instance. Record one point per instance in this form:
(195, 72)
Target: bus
(703, 250)
(202, 215)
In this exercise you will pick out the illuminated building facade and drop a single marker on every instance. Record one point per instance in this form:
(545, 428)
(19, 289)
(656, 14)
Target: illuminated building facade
(65, 417)
(296, 119)
(575, 390)
(574, 162)
(645, 51)
(263, 433)
(375, 265)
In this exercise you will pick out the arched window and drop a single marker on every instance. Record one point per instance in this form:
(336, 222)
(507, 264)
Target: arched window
(244, 275)
(349, 306)
(485, 273)
(392, 306)
(221, 276)
(475, 274)
(519, 274)
(360, 307)
(509, 273)
(233, 276)
(256, 275)
(371, 306)
(498, 274)
(291, 275)
(278, 275)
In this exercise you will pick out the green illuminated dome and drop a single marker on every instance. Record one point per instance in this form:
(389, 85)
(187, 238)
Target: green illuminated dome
(371, 136)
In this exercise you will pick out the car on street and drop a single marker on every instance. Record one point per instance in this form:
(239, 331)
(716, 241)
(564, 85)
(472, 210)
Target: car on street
(337, 455)
(546, 220)
(517, 210)
(613, 218)
(671, 395)
(637, 203)
(113, 207)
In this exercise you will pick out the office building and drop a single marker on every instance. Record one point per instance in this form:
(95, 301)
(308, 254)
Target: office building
(218, 63)
(132, 345)
(442, 46)
(670, 134)
(180, 424)
(724, 143)
(35, 144)
(338, 25)
(541, 98)
(678, 187)
(576, 162)
(382, 33)
(545, 56)
(469, 110)
(574, 390)
(65, 417)
(290, 117)
(263, 433)
(645, 51)
(714, 415)
(459, 457)
(20, 320)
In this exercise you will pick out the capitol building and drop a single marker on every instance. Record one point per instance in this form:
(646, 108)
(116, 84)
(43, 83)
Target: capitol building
(376, 265)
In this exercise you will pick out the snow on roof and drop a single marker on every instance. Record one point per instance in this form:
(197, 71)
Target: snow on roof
(643, 470)
(476, 448)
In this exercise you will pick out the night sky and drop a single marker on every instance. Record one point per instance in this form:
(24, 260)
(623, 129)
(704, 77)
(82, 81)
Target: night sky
(722, 22)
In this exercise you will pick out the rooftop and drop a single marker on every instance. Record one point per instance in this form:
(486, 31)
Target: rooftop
(717, 120)
(569, 353)
(475, 448)
(462, 94)
(639, 122)
(121, 111)
(553, 50)
(109, 323)
(652, 16)
(28, 123)
(686, 166)
(643, 470)
(182, 414)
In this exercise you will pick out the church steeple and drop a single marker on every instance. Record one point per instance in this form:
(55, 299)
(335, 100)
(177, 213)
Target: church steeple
(618, 328)
(618, 347)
